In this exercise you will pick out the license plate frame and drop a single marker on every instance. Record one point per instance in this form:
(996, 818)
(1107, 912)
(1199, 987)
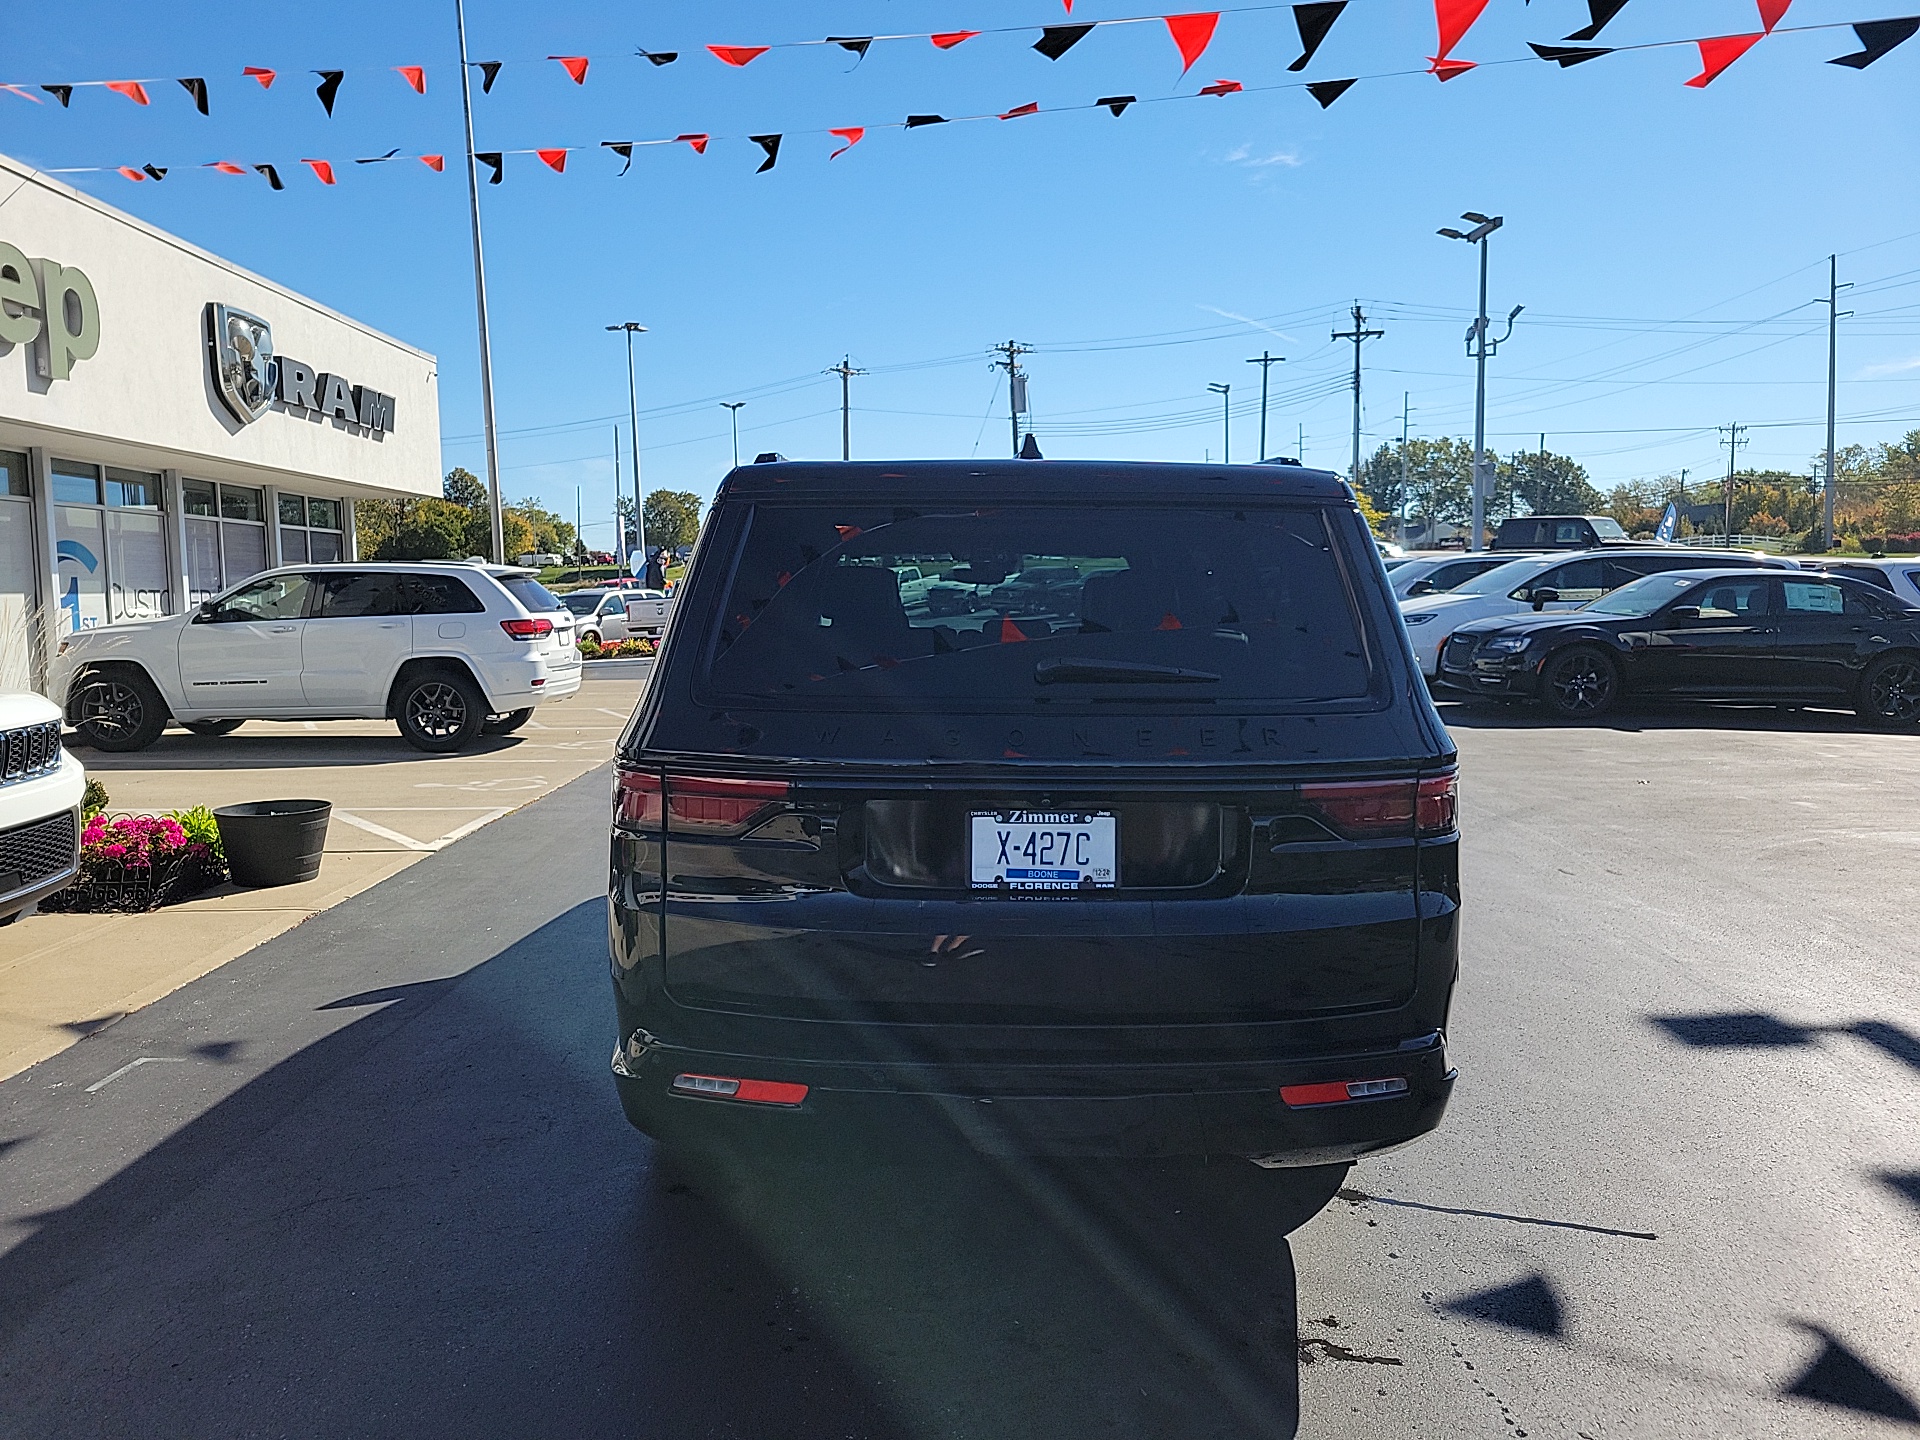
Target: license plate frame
(1066, 852)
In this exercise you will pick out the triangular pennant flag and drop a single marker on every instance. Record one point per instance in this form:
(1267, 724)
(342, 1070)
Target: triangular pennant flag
(1453, 18)
(435, 163)
(62, 93)
(1010, 633)
(1448, 69)
(852, 134)
(1191, 35)
(225, 167)
(1328, 91)
(494, 161)
(1313, 22)
(328, 87)
(322, 168)
(698, 142)
(556, 160)
(130, 172)
(738, 55)
(414, 75)
(1772, 12)
(1877, 37)
(947, 39)
(1222, 87)
(770, 144)
(1718, 53)
(856, 43)
(575, 65)
(378, 159)
(489, 72)
(1599, 12)
(1568, 56)
(914, 122)
(622, 148)
(1117, 103)
(658, 57)
(132, 89)
(197, 88)
(23, 94)
(1032, 107)
(273, 176)
(1056, 40)
(155, 172)
(262, 74)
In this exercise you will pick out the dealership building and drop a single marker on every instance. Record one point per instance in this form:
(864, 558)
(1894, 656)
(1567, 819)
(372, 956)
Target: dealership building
(170, 423)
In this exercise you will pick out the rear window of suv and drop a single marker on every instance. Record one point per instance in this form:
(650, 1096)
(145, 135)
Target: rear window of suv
(537, 599)
(1038, 607)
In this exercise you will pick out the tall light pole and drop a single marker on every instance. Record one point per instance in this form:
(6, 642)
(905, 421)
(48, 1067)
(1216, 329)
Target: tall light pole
(480, 304)
(1480, 345)
(1359, 335)
(733, 413)
(846, 371)
(1226, 422)
(1834, 315)
(1266, 362)
(633, 328)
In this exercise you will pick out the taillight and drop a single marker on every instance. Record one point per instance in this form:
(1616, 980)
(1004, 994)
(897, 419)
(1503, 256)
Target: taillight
(1339, 1092)
(636, 799)
(527, 629)
(1439, 802)
(1374, 809)
(725, 1087)
(696, 804)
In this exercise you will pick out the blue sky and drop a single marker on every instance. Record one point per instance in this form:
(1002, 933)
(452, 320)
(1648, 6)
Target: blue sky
(1664, 240)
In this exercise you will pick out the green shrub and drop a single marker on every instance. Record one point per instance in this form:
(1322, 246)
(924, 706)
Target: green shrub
(201, 828)
(94, 800)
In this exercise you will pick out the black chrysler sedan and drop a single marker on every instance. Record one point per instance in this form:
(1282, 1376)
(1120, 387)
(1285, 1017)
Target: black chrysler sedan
(1755, 636)
(1161, 861)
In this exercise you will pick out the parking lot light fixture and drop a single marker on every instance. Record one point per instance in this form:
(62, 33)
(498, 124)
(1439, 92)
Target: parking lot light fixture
(634, 328)
(1480, 345)
(1226, 421)
(733, 412)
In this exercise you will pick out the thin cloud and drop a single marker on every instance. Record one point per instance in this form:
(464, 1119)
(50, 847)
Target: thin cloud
(1893, 367)
(1244, 155)
(1244, 320)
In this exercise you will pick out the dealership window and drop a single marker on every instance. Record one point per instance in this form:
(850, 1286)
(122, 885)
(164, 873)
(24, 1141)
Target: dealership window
(226, 535)
(19, 593)
(310, 531)
(110, 543)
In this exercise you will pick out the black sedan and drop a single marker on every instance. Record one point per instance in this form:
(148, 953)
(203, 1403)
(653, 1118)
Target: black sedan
(1757, 636)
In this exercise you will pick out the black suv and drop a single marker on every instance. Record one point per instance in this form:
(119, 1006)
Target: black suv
(1162, 862)
(1558, 532)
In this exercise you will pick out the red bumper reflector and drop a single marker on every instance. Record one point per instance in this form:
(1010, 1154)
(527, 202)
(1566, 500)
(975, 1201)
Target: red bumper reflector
(725, 1087)
(1339, 1092)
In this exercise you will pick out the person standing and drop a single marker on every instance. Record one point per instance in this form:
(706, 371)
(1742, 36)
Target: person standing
(656, 574)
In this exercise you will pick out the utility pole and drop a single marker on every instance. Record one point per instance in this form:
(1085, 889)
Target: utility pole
(1733, 442)
(733, 407)
(619, 526)
(1480, 345)
(846, 372)
(579, 524)
(1406, 415)
(1834, 316)
(1016, 385)
(1359, 335)
(1266, 362)
(633, 328)
(480, 304)
(1300, 450)
(1225, 392)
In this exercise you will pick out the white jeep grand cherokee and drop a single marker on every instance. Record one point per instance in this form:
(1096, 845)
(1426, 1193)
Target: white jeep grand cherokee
(446, 651)
(41, 787)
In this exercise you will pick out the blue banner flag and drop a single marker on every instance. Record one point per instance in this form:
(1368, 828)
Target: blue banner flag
(1669, 523)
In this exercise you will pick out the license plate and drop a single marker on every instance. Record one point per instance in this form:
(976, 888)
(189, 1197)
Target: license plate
(1033, 850)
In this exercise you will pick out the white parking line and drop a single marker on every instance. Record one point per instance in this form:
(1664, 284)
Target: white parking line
(132, 1065)
(487, 816)
(405, 842)
(617, 714)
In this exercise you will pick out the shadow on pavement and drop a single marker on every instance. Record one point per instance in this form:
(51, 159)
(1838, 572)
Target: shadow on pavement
(435, 1220)
(1758, 1030)
(1637, 717)
(291, 749)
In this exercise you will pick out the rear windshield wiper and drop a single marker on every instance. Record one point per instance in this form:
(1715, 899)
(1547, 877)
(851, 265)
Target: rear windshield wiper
(1116, 672)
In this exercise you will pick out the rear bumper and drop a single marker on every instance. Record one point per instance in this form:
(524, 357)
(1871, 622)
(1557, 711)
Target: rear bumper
(1082, 1108)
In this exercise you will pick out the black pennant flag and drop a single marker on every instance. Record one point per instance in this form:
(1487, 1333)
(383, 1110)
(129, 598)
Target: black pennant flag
(273, 176)
(1116, 103)
(856, 43)
(489, 72)
(1877, 37)
(1056, 40)
(62, 93)
(659, 57)
(378, 159)
(1599, 12)
(914, 122)
(622, 148)
(329, 87)
(770, 144)
(495, 161)
(1328, 91)
(1313, 22)
(197, 88)
(155, 172)
(1568, 56)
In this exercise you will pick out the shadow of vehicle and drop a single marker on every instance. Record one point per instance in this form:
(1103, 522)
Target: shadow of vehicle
(285, 750)
(1636, 716)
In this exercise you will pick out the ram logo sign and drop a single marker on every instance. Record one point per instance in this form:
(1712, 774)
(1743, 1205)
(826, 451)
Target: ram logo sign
(250, 377)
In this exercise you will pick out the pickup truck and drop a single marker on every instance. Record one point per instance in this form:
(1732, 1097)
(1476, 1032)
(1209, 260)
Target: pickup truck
(648, 612)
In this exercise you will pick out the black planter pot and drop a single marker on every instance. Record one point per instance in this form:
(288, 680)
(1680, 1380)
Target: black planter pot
(274, 842)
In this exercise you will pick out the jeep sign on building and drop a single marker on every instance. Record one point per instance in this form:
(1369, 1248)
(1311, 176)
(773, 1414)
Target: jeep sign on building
(171, 424)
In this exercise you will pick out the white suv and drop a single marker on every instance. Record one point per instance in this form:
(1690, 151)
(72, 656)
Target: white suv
(41, 787)
(448, 652)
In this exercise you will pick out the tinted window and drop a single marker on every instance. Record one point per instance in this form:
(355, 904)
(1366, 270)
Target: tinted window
(1868, 573)
(439, 595)
(1606, 528)
(1577, 580)
(1730, 599)
(278, 597)
(532, 594)
(350, 596)
(583, 604)
(1040, 607)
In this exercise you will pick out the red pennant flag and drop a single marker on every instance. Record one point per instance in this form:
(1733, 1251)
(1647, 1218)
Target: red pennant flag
(738, 55)
(1718, 53)
(227, 167)
(698, 142)
(23, 94)
(1772, 12)
(132, 89)
(576, 66)
(947, 39)
(131, 173)
(1169, 621)
(1010, 633)
(1192, 34)
(414, 75)
(1454, 18)
(435, 163)
(556, 160)
(1222, 87)
(1447, 69)
(852, 134)
(260, 73)
(322, 168)
(1032, 107)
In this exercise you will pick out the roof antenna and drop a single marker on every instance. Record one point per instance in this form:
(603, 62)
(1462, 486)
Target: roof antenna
(1030, 448)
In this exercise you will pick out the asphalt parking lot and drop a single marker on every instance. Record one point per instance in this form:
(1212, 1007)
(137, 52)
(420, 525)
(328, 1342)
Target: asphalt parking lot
(374, 1179)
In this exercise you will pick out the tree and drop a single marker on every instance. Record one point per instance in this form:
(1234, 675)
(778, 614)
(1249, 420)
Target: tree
(551, 534)
(1548, 484)
(1438, 490)
(464, 488)
(672, 516)
(430, 530)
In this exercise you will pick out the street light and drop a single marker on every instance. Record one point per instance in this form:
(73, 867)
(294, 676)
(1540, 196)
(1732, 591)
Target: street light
(1226, 422)
(1480, 345)
(634, 328)
(733, 406)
